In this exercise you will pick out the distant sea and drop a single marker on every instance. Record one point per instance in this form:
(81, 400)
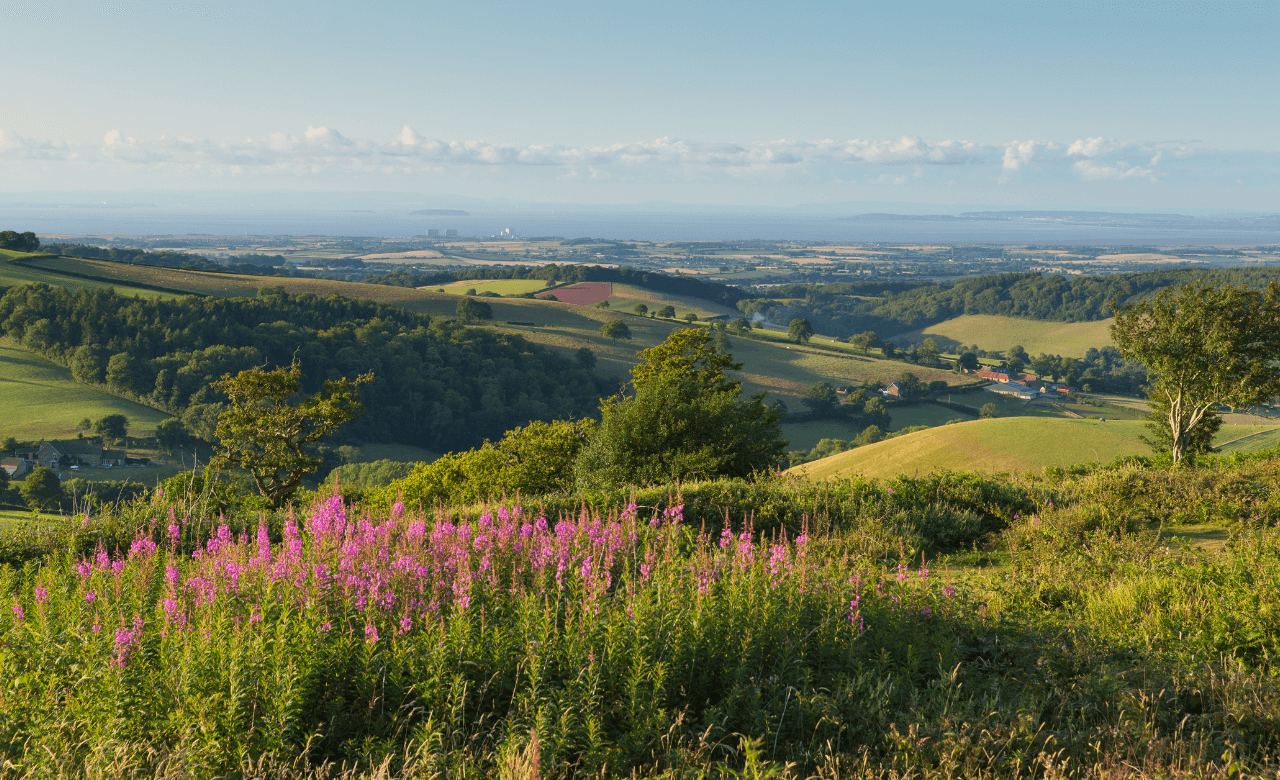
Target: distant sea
(644, 226)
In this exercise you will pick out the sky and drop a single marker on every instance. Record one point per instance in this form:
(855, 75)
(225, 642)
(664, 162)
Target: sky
(1114, 105)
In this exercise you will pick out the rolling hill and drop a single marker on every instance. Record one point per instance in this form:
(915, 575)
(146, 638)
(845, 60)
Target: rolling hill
(1007, 444)
(993, 332)
(39, 398)
(775, 366)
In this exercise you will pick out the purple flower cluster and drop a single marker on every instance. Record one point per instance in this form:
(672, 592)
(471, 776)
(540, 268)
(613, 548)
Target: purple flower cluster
(383, 579)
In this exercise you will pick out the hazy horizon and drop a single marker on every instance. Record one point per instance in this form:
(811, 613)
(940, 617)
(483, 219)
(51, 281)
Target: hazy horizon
(1154, 107)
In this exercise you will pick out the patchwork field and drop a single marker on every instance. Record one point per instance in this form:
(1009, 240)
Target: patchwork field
(923, 414)
(39, 398)
(499, 286)
(992, 332)
(803, 436)
(12, 274)
(583, 294)
(775, 365)
(1010, 444)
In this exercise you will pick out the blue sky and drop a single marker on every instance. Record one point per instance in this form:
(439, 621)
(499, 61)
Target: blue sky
(1144, 105)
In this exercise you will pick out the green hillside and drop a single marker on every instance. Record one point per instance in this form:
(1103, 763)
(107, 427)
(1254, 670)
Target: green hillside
(1008, 444)
(35, 271)
(38, 398)
(775, 365)
(993, 332)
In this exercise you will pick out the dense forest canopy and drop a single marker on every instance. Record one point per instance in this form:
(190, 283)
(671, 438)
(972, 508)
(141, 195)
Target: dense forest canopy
(437, 384)
(834, 309)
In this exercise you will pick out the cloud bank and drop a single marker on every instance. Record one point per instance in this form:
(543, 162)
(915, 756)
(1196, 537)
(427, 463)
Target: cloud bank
(322, 151)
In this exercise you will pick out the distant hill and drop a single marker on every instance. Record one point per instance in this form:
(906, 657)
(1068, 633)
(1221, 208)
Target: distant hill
(1007, 444)
(993, 332)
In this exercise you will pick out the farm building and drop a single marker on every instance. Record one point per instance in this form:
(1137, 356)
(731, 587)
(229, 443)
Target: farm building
(893, 389)
(77, 452)
(995, 373)
(1014, 389)
(16, 467)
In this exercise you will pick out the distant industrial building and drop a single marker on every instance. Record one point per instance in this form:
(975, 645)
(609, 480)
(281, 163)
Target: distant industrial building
(451, 233)
(433, 233)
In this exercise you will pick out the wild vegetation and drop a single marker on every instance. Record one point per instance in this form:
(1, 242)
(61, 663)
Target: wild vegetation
(439, 384)
(639, 596)
(838, 310)
(726, 628)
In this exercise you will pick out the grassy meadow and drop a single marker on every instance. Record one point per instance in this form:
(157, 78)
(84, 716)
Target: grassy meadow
(35, 271)
(1012, 444)
(499, 286)
(993, 332)
(40, 399)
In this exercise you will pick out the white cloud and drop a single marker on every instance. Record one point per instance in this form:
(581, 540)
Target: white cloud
(324, 151)
(1118, 170)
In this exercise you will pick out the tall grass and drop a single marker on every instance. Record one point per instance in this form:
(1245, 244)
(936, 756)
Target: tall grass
(649, 637)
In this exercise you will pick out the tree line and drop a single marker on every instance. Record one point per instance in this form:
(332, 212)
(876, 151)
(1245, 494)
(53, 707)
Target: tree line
(438, 384)
(848, 308)
(19, 242)
(567, 274)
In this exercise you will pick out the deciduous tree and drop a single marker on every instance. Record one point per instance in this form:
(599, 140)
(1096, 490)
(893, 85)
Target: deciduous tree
(615, 329)
(821, 398)
(1206, 346)
(800, 331)
(263, 431)
(112, 428)
(472, 310)
(42, 489)
(684, 419)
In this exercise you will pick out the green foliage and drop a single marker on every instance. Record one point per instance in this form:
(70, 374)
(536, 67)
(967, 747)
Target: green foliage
(1064, 631)
(911, 388)
(585, 358)
(367, 477)
(1207, 347)
(536, 459)
(688, 352)
(667, 312)
(989, 411)
(89, 364)
(821, 398)
(800, 331)
(1199, 440)
(870, 435)
(441, 385)
(845, 309)
(19, 242)
(81, 494)
(690, 318)
(615, 329)
(686, 420)
(471, 310)
(171, 432)
(42, 489)
(9, 444)
(112, 428)
(969, 361)
(640, 309)
(927, 353)
(263, 431)
(126, 374)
